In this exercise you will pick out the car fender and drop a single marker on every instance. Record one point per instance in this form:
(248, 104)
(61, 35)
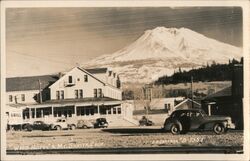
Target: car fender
(209, 125)
(179, 124)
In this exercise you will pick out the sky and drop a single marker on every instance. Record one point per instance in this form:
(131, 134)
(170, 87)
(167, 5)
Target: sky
(47, 40)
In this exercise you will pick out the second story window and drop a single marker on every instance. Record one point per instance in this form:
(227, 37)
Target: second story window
(85, 78)
(62, 94)
(22, 97)
(99, 92)
(76, 93)
(10, 98)
(80, 93)
(95, 92)
(57, 95)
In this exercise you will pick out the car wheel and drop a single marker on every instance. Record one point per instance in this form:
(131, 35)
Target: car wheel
(85, 127)
(73, 127)
(175, 129)
(58, 128)
(219, 129)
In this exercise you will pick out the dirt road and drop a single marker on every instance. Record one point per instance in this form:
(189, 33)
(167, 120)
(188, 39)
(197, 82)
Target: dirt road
(117, 138)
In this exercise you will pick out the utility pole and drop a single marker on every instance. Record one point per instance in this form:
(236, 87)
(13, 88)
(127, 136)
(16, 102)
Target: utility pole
(192, 96)
(147, 92)
(40, 92)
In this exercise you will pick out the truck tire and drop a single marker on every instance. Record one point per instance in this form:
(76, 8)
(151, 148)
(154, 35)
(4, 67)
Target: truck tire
(219, 129)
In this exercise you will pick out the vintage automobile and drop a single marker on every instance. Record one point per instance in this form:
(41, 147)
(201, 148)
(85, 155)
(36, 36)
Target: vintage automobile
(85, 124)
(37, 125)
(182, 121)
(144, 121)
(59, 125)
(101, 123)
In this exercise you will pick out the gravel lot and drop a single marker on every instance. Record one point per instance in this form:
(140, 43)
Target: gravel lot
(117, 138)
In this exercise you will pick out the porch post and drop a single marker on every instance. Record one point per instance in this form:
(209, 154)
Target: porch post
(75, 110)
(209, 110)
(41, 112)
(98, 109)
(30, 114)
(52, 110)
(35, 112)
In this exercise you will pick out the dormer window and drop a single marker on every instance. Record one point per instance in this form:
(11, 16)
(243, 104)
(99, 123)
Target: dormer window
(10, 98)
(110, 72)
(23, 97)
(85, 78)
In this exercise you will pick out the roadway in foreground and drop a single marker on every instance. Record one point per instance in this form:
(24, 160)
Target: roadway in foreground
(137, 140)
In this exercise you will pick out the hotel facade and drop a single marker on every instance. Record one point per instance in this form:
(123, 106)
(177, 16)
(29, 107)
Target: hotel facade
(74, 95)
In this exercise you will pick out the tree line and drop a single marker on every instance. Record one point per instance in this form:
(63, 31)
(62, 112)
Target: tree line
(213, 72)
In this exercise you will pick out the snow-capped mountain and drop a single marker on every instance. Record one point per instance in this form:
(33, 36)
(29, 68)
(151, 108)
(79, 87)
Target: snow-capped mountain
(162, 50)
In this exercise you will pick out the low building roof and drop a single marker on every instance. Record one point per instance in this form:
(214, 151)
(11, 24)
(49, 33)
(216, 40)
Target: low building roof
(29, 83)
(186, 100)
(222, 93)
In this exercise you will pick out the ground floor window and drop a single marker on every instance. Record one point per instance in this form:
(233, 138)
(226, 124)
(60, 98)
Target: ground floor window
(67, 111)
(86, 111)
(114, 110)
(119, 110)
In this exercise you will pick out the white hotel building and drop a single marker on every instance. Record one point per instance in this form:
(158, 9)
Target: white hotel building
(77, 94)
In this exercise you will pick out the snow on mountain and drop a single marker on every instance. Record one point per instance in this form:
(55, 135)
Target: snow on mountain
(162, 50)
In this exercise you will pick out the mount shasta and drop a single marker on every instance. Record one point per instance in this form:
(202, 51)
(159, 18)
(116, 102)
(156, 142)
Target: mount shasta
(162, 50)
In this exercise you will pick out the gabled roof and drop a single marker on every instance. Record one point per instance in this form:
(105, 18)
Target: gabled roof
(97, 70)
(188, 99)
(222, 93)
(29, 83)
(90, 74)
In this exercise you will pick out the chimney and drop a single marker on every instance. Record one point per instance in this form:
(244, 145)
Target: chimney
(60, 74)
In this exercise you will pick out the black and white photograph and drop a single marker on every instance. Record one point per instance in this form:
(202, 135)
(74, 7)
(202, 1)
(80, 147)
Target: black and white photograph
(117, 80)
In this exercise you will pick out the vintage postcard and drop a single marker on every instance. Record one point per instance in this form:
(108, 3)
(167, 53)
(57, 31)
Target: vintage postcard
(119, 80)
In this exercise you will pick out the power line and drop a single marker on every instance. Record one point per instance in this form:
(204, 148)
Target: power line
(32, 56)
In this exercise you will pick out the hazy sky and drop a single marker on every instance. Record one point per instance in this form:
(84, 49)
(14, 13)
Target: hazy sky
(46, 40)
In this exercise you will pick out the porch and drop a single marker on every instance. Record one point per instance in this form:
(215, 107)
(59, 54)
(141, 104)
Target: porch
(71, 112)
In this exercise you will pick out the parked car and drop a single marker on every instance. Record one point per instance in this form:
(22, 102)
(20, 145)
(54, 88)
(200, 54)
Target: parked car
(182, 121)
(59, 125)
(85, 124)
(144, 121)
(37, 125)
(101, 123)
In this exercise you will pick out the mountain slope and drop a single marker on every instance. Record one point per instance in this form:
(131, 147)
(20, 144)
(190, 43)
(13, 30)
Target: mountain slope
(161, 50)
